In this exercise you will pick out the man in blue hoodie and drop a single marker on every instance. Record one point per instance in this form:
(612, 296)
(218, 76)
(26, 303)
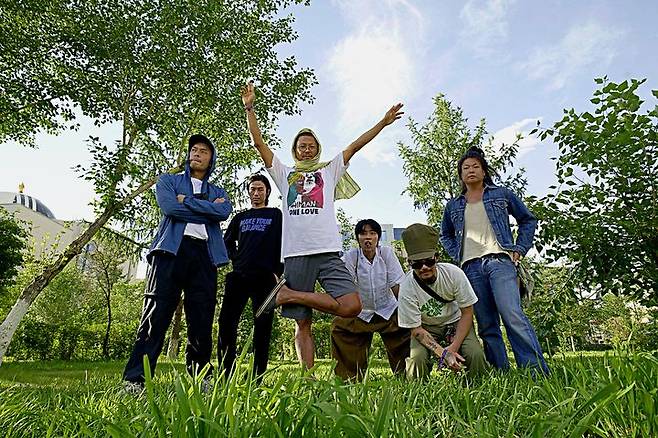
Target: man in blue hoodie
(187, 249)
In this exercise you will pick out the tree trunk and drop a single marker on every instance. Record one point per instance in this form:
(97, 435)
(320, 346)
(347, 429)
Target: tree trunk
(34, 288)
(106, 340)
(174, 340)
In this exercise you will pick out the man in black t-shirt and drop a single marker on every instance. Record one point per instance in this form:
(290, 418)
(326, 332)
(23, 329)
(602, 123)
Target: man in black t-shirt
(253, 242)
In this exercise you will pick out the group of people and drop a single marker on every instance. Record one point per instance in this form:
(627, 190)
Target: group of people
(424, 317)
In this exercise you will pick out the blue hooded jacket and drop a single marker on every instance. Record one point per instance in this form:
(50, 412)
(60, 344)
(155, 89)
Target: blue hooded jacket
(177, 215)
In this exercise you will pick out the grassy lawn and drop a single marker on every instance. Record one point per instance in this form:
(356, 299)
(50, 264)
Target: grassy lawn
(591, 395)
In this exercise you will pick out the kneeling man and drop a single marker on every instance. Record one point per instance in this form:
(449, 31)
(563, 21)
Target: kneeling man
(436, 303)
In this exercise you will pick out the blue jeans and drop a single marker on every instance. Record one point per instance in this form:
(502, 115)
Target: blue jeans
(494, 281)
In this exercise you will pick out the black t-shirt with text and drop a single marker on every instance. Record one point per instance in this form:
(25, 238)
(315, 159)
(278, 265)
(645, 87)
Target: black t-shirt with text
(253, 241)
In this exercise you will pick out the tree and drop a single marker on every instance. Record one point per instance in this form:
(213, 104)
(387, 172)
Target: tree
(603, 216)
(104, 269)
(161, 70)
(431, 162)
(13, 241)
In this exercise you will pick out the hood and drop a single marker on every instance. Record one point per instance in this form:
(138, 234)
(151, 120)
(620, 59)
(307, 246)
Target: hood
(305, 131)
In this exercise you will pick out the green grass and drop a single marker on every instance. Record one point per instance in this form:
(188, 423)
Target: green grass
(593, 395)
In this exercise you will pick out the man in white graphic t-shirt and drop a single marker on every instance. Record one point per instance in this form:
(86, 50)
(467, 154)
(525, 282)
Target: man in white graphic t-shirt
(311, 240)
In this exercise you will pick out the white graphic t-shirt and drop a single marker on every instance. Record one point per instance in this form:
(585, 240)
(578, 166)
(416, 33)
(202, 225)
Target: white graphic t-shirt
(309, 219)
(196, 230)
(417, 307)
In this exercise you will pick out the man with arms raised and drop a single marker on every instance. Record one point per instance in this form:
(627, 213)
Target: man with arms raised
(311, 241)
(436, 303)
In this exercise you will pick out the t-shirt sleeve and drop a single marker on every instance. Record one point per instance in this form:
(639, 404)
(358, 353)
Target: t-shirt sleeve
(394, 272)
(337, 167)
(408, 307)
(464, 294)
(279, 173)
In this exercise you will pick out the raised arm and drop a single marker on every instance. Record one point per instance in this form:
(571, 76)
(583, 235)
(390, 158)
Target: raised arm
(391, 116)
(248, 98)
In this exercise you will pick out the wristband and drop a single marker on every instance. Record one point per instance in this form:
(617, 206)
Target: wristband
(248, 108)
(443, 356)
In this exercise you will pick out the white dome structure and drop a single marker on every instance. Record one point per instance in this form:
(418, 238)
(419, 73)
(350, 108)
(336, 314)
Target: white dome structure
(26, 201)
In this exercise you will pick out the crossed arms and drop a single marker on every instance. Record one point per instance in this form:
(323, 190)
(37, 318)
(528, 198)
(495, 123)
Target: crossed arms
(189, 209)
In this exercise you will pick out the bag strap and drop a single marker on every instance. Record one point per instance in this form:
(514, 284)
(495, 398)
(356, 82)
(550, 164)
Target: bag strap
(429, 290)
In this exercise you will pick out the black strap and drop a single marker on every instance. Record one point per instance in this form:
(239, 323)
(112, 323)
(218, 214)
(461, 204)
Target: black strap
(429, 290)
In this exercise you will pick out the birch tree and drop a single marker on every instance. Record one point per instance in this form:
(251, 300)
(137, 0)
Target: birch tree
(161, 70)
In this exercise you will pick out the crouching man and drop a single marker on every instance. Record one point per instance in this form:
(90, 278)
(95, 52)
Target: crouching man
(436, 303)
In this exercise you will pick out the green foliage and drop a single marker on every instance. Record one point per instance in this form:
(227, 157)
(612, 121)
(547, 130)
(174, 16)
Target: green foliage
(603, 215)
(161, 69)
(430, 163)
(611, 395)
(346, 225)
(13, 242)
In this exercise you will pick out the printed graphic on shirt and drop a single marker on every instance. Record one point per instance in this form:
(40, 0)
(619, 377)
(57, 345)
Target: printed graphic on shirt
(255, 224)
(305, 196)
(432, 308)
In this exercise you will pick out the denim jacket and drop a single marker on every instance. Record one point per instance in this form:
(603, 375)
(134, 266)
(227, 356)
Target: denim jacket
(499, 203)
(177, 215)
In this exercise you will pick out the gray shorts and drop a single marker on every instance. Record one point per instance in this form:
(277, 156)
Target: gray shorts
(301, 272)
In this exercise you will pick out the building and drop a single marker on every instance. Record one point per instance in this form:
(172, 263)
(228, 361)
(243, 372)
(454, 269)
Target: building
(49, 235)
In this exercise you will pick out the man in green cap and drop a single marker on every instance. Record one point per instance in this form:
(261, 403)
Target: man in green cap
(436, 303)
(311, 241)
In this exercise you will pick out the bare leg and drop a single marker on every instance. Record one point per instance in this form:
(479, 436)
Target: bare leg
(347, 306)
(304, 343)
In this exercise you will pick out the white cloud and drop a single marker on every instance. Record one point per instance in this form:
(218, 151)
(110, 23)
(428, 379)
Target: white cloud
(588, 45)
(485, 25)
(508, 134)
(374, 67)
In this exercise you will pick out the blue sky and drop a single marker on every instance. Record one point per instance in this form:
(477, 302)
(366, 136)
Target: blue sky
(511, 62)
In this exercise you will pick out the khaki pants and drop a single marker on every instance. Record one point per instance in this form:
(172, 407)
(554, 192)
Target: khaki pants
(420, 360)
(351, 339)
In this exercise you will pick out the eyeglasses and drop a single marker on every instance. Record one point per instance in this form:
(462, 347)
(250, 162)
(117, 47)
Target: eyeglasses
(418, 264)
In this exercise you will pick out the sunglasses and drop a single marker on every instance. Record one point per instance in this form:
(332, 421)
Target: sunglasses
(418, 264)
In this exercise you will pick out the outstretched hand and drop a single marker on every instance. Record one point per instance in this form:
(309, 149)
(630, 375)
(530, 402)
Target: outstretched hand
(248, 94)
(393, 114)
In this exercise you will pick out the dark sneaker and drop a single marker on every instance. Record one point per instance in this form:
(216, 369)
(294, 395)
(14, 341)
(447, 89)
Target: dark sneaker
(133, 388)
(270, 301)
(207, 385)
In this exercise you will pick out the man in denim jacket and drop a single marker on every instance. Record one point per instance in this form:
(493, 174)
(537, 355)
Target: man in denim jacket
(187, 249)
(476, 233)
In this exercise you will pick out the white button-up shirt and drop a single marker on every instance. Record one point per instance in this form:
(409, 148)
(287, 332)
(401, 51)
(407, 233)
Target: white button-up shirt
(375, 280)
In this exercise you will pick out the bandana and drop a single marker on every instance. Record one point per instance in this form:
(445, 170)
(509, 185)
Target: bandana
(346, 186)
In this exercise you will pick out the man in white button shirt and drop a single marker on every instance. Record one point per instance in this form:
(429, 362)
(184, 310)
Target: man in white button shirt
(377, 273)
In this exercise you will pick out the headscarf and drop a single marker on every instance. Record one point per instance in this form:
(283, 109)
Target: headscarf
(346, 186)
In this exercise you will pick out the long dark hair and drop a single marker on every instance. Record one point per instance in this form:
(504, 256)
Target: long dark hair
(478, 154)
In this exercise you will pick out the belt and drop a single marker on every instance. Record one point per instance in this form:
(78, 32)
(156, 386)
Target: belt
(496, 256)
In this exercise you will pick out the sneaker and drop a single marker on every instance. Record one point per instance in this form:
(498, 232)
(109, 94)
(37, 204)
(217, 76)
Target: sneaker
(270, 301)
(133, 388)
(207, 385)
